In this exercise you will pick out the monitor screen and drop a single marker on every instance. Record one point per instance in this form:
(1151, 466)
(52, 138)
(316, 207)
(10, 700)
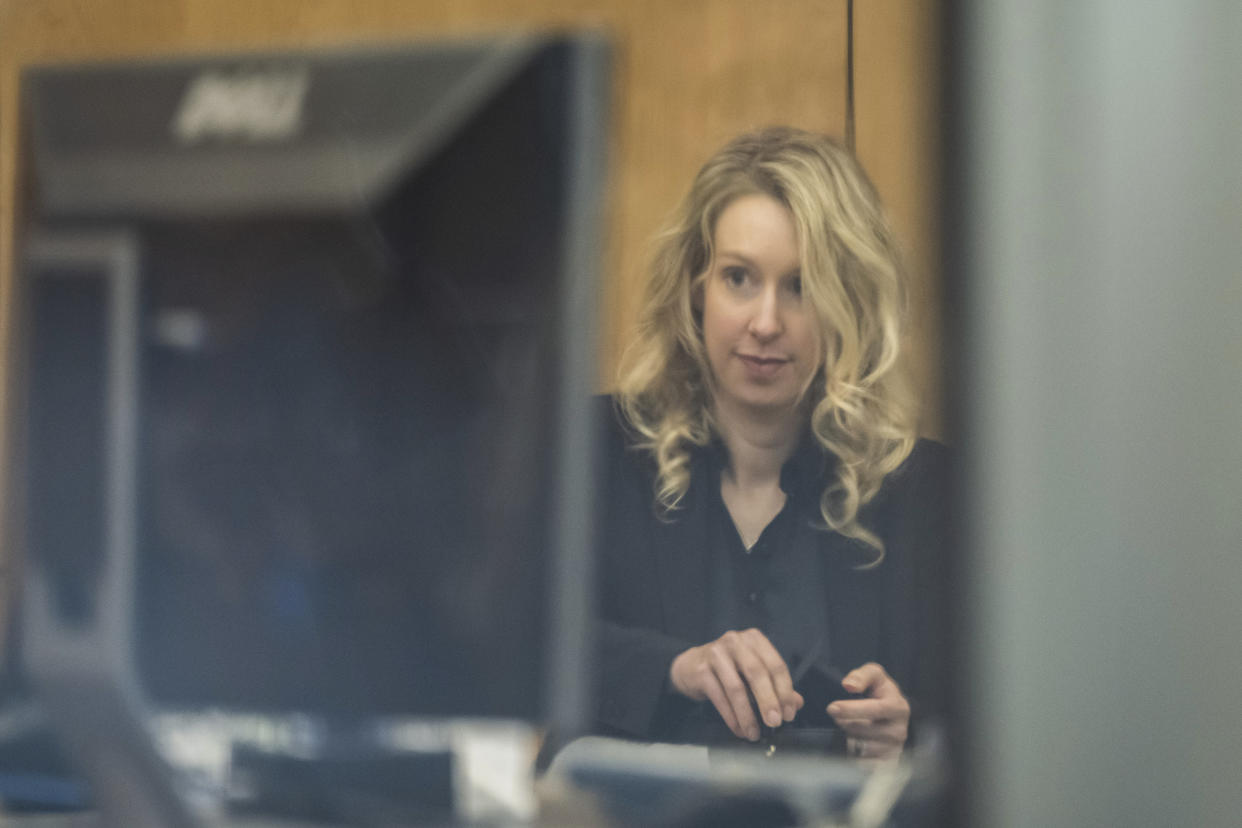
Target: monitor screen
(322, 398)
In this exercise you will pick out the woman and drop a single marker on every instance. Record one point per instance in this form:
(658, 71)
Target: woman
(769, 511)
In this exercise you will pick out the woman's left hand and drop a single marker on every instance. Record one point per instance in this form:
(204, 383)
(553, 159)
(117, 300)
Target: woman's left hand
(876, 727)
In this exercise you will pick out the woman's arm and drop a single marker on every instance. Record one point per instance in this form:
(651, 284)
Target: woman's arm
(632, 678)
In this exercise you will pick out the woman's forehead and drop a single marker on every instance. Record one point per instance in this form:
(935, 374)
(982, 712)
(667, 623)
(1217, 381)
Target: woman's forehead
(758, 229)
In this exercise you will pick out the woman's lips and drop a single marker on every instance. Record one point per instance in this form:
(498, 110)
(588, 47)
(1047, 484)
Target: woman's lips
(762, 366)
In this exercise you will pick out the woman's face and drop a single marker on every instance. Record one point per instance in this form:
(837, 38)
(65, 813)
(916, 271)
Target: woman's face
(761, 337)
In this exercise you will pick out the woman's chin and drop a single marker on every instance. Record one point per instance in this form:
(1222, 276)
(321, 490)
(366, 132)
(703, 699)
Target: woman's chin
(766, 402)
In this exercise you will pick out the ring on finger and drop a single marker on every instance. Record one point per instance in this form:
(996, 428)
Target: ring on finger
(856, 748)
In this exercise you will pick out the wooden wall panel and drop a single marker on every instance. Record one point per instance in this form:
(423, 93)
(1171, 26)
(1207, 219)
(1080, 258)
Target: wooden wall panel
(896, 84)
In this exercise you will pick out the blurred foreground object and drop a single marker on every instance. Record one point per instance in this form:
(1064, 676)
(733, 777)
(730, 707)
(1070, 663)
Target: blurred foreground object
(307, 346)
(1098, 215)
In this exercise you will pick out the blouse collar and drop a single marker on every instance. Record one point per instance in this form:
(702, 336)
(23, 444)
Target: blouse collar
(804, 474)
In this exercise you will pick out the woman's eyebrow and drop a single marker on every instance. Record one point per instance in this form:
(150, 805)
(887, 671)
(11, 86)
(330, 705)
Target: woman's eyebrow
(729, 254)
(746, 260)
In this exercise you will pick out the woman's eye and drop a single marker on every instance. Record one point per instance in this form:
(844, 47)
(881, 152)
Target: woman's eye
(795, 285)
(734, 276)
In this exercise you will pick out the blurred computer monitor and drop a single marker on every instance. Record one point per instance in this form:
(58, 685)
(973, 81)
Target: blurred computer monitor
(306, 344)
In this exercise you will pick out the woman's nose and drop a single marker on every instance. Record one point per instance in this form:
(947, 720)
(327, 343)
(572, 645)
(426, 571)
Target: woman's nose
(766, 321)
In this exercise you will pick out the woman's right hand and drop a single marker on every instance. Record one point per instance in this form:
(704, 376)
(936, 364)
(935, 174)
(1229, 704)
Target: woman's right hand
(732, 669)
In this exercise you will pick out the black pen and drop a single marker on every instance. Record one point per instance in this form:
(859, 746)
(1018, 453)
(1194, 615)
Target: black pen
(805, 663)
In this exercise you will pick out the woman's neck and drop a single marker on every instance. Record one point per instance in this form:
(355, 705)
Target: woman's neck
(758, 444)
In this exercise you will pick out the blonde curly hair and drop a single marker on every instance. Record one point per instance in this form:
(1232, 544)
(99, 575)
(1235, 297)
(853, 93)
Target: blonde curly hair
(859, 401)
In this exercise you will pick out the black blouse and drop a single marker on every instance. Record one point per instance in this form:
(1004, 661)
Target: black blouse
(670, 582)
(777, 586)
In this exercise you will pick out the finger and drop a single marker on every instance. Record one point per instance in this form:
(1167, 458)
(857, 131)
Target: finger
(875, 709)
(789, 699)
(757, 673)
(735, 689)
(720, 700)
(888, 733)
(871, 679)
(856, 728)
(871, 753)
(882, 756)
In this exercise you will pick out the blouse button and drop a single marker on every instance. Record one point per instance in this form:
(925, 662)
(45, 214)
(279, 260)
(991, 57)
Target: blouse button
(752, 598)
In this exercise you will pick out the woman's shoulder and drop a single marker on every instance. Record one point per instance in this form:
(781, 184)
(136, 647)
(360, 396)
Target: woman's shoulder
(609, 420)
(911, 511)
(626, 472)
(922, 479)
(617, 438)
(928, 458)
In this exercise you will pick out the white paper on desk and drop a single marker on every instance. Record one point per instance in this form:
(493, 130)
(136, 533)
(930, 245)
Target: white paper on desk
(493, 772)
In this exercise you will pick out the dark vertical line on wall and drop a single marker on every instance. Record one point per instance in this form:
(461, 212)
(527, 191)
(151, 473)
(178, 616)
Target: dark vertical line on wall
(849, 74)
